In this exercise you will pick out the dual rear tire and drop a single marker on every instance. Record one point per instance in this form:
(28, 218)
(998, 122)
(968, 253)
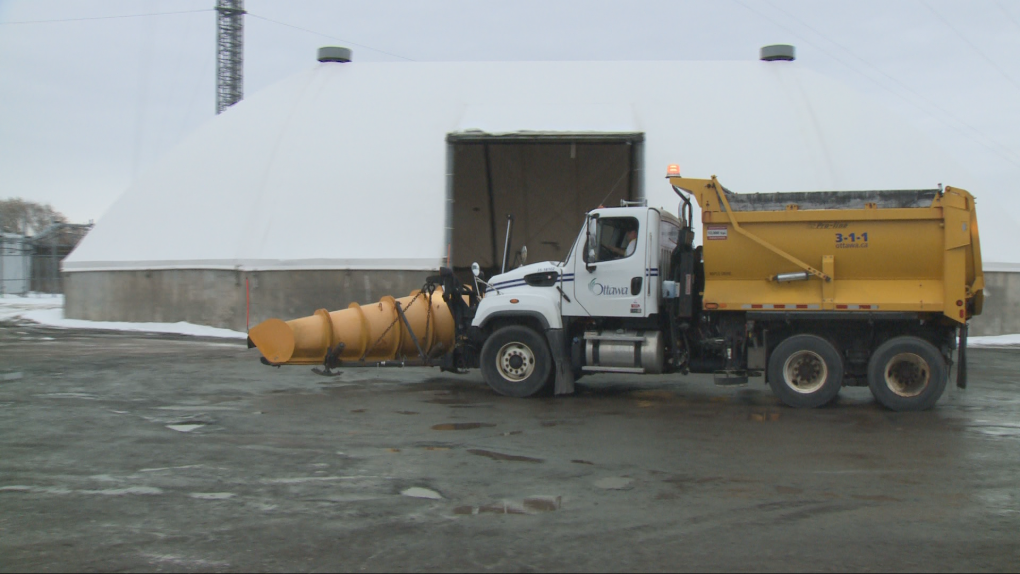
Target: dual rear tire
(907, 374)
(805, 371)
(904, 373)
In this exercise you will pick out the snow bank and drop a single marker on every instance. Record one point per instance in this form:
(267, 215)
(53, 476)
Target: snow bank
(49, 310)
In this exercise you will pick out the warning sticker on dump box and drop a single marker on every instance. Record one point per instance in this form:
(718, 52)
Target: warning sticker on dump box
(716, 232)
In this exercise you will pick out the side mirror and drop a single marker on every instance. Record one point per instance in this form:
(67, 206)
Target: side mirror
(524, 255)
(591, 243)
(476, 269)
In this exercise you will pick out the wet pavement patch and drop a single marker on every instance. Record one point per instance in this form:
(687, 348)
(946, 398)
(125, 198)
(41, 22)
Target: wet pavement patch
(501, 456)
(763, 415)
(420, 492)
(543, 503)
(185, 427)
(450, 401)
(406, 412)
(877, 498)
(579, 461)
(530, 505)
(212, 495)
(461, 426)
(615, 483)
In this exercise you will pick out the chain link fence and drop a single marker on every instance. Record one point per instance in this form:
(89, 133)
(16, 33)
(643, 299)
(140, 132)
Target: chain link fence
(32, 264)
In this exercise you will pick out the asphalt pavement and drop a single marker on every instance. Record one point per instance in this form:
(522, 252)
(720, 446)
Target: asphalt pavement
(161, 453)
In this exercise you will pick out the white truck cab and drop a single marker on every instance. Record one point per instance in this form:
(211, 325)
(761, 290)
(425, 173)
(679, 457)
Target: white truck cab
(611, 276)
(601, 277)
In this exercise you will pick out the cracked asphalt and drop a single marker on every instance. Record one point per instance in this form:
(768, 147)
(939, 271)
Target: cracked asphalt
(157, 453)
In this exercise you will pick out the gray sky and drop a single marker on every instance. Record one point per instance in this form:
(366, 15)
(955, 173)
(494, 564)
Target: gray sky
(88, 102)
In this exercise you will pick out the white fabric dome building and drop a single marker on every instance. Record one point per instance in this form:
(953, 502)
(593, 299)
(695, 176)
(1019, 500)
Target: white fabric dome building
(349, 181)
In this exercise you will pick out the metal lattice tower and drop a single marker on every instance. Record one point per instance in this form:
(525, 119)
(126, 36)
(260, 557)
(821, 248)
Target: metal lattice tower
(229, 53)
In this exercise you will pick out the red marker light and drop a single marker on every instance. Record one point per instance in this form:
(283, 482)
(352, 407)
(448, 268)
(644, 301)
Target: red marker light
(673, 170)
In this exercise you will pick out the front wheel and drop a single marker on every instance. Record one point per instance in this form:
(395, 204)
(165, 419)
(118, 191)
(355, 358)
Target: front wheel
(805, 371)
(907, 374)
(516, 362)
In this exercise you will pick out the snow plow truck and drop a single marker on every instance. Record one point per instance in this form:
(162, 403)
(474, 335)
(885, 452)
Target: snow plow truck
(812, 290)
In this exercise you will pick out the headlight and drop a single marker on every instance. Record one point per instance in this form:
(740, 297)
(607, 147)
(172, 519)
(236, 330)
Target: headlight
(544, 279)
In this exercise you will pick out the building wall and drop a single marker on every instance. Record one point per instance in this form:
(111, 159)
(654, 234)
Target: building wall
(218, 297)
(1001, 314)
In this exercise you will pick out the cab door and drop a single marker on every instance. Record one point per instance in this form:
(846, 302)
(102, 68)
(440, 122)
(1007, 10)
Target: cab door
(610, 279)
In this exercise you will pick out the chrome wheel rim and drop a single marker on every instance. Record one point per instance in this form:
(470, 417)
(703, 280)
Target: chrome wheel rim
(515, 361)
(805, 372)
(907, 374)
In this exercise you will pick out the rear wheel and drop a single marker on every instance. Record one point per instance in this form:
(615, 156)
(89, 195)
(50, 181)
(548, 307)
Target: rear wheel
(907, 374)
(516, 362)
(805, 371)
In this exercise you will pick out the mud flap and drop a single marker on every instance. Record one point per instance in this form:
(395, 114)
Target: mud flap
(961, 360)
(563, 370)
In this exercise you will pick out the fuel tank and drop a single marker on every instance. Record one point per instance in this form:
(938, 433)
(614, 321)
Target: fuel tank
(372, 332)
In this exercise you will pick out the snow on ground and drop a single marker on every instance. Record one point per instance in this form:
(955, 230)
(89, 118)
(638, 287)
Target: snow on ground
(49, 310)
(996, 341)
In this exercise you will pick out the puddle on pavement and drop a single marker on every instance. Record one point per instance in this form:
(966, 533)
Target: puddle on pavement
(579, 461)
(998, 430)
(652, 395)
(451, 401)
(876, 498)
(461, 426)
(421, 492)
(530, 505)
(406, 412)
(185, 427)
(502, 456)
(615, 483)
(761, 416)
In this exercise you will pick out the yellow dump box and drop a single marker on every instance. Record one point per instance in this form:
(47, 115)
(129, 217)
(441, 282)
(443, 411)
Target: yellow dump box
(898, 250)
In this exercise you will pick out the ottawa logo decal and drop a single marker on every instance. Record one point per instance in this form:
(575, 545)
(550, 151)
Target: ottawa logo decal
(600, 289)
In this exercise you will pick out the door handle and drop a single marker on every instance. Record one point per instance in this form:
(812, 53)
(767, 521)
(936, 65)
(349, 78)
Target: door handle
(635, 285)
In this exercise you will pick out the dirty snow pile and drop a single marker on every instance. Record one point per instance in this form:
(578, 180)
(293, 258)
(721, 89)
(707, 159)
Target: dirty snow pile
(48, 310)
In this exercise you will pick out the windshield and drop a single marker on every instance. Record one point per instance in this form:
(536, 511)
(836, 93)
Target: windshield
(570, 252)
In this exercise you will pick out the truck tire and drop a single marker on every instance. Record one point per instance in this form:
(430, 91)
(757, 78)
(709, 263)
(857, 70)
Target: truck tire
(907, 374)
(805, 371)
(516, 362)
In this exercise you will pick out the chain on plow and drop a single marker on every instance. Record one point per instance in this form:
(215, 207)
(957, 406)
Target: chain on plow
(428, 289)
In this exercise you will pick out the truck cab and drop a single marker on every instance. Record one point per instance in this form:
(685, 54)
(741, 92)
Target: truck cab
(602, 306)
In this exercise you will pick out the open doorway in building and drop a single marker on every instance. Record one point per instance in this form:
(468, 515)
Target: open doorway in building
(547, 182)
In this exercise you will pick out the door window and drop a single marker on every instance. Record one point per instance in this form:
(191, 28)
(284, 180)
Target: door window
(616, 237)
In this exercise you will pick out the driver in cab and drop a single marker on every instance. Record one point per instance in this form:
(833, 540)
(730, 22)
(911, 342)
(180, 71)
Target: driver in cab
(629, 244)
